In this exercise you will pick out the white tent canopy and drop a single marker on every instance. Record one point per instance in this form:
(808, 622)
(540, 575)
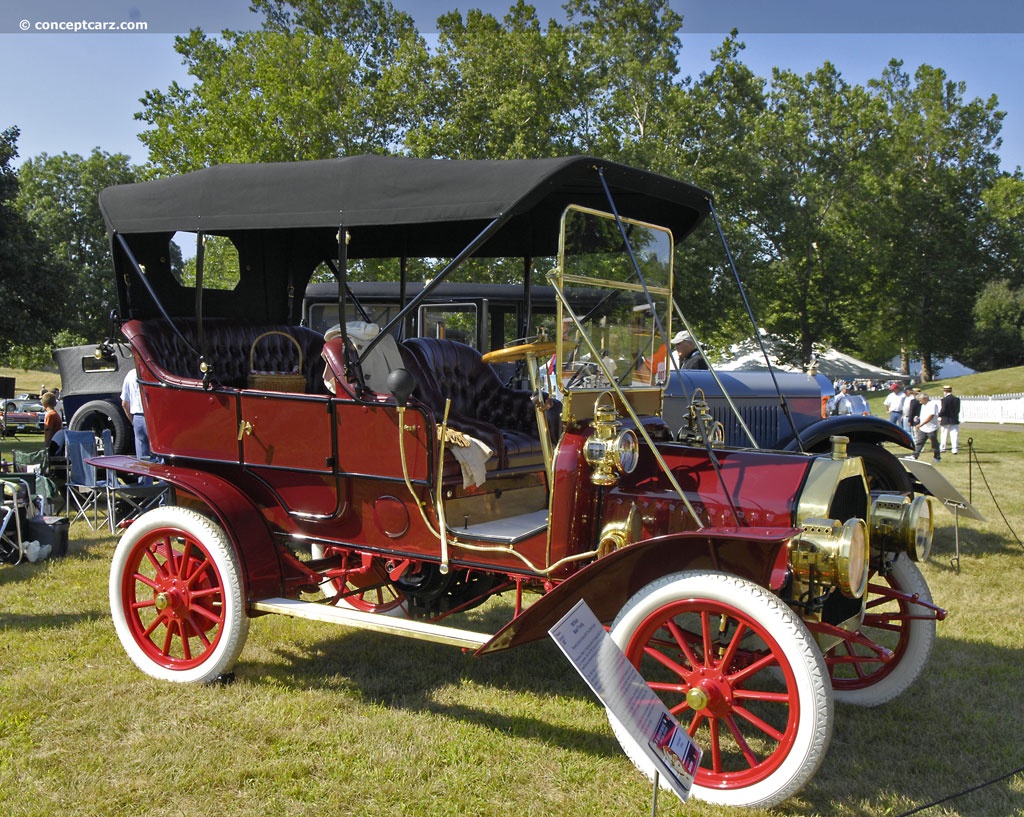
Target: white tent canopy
(747, 357)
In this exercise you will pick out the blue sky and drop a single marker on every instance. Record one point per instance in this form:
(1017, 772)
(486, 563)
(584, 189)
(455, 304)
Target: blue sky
(75, 91)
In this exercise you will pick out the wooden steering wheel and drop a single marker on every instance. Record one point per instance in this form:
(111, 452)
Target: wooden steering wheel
(520, 352)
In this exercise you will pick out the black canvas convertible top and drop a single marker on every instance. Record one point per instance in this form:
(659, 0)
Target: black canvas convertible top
(284, 217)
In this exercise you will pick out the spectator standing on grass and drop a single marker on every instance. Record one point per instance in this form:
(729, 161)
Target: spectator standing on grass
(894, 404)
(928, 427)
(949, 420)
(911, 410)
(52, 423)
(131, 402)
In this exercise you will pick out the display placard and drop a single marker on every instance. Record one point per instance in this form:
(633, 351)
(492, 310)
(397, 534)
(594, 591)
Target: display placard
(623, 690)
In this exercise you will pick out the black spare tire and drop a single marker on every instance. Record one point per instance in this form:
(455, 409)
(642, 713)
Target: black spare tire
(97, 415)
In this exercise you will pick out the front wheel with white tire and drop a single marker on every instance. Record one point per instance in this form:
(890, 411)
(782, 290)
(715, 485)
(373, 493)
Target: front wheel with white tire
(176, 596)
(899, 621)
(741, 673)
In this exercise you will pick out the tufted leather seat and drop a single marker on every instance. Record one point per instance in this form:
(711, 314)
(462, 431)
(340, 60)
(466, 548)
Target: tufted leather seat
(228, 344)
(501, 417)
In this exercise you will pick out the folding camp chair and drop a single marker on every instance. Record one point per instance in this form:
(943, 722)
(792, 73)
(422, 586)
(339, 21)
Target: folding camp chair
(85, 489)
(37, 467)
(15, 495)
(128, 500)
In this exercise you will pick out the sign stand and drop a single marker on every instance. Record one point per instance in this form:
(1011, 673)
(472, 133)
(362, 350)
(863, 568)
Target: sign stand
(940, 488)
(654, 795)
(957, 507)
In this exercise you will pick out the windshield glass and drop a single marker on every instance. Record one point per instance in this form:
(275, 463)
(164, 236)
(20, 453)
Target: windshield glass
(616, 277)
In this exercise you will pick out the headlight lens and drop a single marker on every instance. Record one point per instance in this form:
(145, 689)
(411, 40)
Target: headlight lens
(627, 451)
(854, 553)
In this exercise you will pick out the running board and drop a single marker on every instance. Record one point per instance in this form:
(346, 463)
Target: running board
(377, 622)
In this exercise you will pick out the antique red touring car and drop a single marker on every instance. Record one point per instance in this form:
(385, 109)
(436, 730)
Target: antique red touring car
(388, 482)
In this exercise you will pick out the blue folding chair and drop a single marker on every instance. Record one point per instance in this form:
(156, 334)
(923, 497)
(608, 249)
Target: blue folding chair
(85, 489)
(128, 500)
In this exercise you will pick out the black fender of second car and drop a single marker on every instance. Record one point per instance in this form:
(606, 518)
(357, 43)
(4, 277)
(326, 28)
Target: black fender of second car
(859, 428)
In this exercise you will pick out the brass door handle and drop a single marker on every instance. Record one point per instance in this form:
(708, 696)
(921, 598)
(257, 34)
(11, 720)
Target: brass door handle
(244, 427)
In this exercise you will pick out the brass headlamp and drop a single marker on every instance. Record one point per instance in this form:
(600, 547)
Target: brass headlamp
(830, 552)
(902, 525)
(610, 452)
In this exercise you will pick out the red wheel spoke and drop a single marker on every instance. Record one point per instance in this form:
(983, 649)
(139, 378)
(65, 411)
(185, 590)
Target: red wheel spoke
(195, 631)
(707, 637)
(742, 676)
(762, 695)
(745, 750)
(667, 662)
(764, 726)
(734, 644)
(141, 578)
(209, 615)
(683, 642)
(716, 746)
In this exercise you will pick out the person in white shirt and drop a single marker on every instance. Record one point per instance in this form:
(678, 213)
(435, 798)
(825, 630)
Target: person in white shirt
(841, 403)
(131, 402)
(928, 427)
(894, 405)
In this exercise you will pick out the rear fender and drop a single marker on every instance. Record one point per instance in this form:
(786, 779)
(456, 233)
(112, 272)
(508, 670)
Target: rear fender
(243, 524)
(607, 584)
(858, 428)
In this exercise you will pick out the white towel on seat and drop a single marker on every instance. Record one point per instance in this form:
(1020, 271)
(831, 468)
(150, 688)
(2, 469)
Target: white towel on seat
(473, 459)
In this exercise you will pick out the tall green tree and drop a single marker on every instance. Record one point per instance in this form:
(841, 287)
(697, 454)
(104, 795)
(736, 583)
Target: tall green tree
(709, 140)
(31, 284)
(319, 79)
(942, 160)
(625, 56)
(58, 196)
(499, 89)
(813, 140)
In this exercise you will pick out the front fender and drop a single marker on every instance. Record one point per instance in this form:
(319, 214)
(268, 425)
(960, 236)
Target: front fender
(858, 428)
(607, 584)
(241, 520)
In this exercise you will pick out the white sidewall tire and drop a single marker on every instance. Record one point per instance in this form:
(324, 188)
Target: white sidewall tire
(920, 640)
(814, 727)
(235, 627)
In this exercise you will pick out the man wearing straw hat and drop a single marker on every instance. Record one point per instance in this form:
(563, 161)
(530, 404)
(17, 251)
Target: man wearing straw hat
(949, 420)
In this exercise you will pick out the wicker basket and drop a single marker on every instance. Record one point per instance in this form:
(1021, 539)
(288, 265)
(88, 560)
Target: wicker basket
(276, 381)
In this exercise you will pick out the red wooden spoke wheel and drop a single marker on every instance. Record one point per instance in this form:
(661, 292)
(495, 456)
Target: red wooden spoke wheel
(176, 598)
(378, 598)
(370, 591)
(894, 623)
(740, 671)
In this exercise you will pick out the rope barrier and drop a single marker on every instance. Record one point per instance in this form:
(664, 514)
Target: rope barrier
(934, 803)
(972, 459)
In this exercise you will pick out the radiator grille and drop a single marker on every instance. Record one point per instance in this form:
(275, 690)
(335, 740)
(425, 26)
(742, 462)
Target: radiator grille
(762, 420)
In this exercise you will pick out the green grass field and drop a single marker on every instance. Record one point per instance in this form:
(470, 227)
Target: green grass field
(323, 720)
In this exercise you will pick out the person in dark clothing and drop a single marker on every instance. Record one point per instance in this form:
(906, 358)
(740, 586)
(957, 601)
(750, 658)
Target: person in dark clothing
(686, 353)
(912, 412)
(949, 420)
